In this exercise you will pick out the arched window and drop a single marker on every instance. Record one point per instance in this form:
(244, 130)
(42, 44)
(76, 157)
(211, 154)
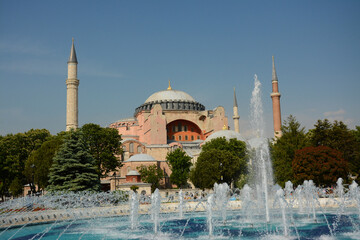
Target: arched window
(128, 169)
(124, 148)
(139, 149)
(131, 147)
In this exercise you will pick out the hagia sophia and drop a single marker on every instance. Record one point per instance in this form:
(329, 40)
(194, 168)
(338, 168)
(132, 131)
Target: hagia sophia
(168, 119)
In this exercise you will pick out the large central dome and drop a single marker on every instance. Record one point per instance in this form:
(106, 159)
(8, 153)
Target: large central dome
(170, 95)
(173, 100)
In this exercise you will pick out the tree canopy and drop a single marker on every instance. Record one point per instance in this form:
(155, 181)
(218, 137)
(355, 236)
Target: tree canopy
(283, 150)
(337, 136)
(219, 161)
(322, 164)
(37, 166)
(14, 151)
(151, 174)
(73, 167)
(180, 164)
(105, 146)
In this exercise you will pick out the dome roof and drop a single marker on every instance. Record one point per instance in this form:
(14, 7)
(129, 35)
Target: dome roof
(141, 158)
(170, 95)
(228, 134)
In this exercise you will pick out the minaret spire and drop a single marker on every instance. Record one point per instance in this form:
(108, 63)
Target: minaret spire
(275, 96)
(72, 58)
(72, 84)
(236, 116)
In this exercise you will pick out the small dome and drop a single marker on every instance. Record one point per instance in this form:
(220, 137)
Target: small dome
(170, 95)
(133, 173)
(228, 134)
(141, 158)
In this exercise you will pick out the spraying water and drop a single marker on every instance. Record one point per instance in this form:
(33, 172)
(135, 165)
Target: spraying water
(261, 163)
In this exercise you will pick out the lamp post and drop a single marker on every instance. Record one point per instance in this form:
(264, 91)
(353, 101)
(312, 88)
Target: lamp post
(32, 184)
(115, 178)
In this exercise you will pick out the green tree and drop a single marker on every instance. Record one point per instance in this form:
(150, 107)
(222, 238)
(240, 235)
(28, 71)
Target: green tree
(283, 149)
(180, 164)
(337, 136)
(151, 174)
(220, 161)
(105, 147)
(73, 167)
(14, 151)
(322, 164)
(37, 166)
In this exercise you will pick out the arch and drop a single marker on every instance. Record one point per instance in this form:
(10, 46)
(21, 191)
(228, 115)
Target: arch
(184, 131)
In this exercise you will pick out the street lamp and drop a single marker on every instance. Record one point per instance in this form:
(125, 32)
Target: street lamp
(115, 177)
(32, 184)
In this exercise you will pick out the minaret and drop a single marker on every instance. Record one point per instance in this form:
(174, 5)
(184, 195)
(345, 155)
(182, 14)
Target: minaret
(275, 95)
(236, 116)
(72, 84)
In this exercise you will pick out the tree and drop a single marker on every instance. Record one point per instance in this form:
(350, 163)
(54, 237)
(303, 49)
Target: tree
(73, 167)
(151, 174)
(337, 136)
(180, 164)
(219, 161)
(37, 166)
(322, 164)
(283, 149)
(105, 147)
(14, 151)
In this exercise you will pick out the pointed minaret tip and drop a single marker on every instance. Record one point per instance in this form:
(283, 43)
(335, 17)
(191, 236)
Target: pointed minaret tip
(274, 76)
(235, 100)
(72, 58)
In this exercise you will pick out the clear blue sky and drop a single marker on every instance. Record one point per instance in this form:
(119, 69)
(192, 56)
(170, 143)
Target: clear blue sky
(128, 50)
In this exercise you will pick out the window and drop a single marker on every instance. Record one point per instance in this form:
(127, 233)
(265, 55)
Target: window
(192, 129)
(173, 137)
(173, 127)
(198, 137)
(139, 149)
(179, 127)
(185, 128)
(192, 138)
(179, 138)
(124, 148)
(186, 138)
(131, 147)
(128, 169)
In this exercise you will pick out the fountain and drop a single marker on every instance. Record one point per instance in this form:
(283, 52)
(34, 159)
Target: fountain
(260, 210)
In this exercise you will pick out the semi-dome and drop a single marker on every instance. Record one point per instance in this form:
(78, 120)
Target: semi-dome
(141, 158)
(170, 99)
(228, 134)
(170, 95)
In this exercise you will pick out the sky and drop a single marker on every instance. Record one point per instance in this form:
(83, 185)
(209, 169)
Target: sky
(128, 50)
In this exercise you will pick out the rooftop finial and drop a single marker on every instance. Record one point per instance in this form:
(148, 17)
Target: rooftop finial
(169, 88)
(274, 76)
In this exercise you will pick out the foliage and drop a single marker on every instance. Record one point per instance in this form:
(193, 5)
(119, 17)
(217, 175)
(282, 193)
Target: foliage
(180, 164)
(337, 136)
(73, 167)
(134, 188)
(322, 164)
(283, 149)
(14, 151)
(151, 174)
(37, 166)
(219, 161)
(105, 147)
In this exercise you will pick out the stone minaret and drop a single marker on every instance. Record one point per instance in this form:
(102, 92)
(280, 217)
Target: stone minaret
(72, 84)
(275, 95)
(236, 116)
